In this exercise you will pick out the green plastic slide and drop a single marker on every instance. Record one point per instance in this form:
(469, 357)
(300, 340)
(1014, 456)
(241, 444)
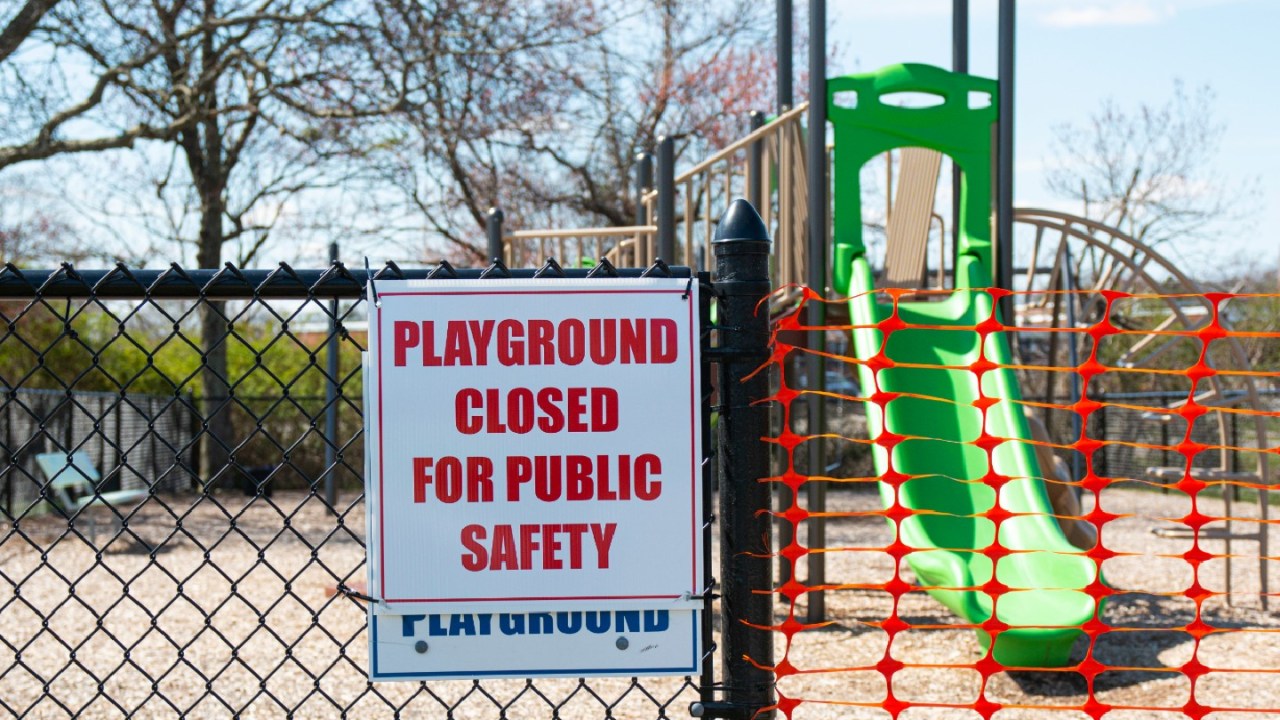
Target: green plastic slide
(944, 474)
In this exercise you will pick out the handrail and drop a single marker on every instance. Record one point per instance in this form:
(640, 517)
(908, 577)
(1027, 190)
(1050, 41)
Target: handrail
(552, 234)
(769, 128)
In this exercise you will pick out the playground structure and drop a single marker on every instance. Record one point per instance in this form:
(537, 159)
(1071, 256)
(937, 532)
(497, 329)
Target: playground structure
(766, 166)
(1072, 263)
(1072, 274)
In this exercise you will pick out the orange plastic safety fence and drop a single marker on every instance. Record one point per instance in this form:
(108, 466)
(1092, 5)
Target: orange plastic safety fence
(1160, 428)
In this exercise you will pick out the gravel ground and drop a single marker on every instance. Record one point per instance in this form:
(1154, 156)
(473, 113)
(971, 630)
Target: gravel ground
(1145, 645)
(234, 616)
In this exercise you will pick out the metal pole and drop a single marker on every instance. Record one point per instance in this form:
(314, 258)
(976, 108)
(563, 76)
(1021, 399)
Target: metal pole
(644, 181)
(330, 398)
(741, 249)
(666, 219)
(707, 682)
(959, 63)
(493, 231)
(785, 73)
(817, 281)
(1004, 153)
(755, 162)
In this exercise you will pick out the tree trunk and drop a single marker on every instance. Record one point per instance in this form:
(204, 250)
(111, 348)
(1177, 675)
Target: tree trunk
(209, 172)
(215, 407)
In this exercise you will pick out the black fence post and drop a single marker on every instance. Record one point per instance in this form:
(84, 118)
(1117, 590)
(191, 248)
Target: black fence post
(1100, 453)
(666, 215)
(755, 163)
(1006, 32)
(331, 399)
(746, 570)
(784, 12)
(644, 183)
(493, 232)
(816, 316)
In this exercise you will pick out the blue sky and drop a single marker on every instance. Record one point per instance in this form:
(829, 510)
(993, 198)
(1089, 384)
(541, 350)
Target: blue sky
(1073, 54)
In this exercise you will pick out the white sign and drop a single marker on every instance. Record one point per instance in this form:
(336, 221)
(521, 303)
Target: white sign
(534, 445)
(559, 644)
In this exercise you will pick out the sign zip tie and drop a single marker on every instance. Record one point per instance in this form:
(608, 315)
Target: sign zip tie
(687, 596)
(688, 288)
(356, 594)
(373, 287)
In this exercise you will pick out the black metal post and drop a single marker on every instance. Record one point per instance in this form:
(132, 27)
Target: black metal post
(741, 248)
(1164, 451)
(493, 232)
(959, 63)
(707, 682)
(644, 182)
(666, 220)
(1004, 154)
(785, 96)
(817, 281)
(331, 399)
(1100, 455)
(755, 162)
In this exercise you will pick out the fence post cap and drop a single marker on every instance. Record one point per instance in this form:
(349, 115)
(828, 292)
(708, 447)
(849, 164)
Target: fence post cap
(741, 222)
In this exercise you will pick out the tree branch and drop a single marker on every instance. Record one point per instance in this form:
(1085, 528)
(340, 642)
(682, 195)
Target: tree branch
(22, 25)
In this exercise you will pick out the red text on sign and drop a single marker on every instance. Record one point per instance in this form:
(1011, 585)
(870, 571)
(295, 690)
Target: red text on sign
(601, 341)
(450, 476)
(582, 477)
(550, 409)
(551, 478)
(527, 547)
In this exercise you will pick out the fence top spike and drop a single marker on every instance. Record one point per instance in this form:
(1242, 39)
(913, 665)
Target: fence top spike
(391, 267)
(603, 268)
(550, 267)
(659, 268)
(497, 268)
(741, 222)
(442, 268)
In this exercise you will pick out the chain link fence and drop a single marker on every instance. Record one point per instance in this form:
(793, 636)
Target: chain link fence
(218, 589)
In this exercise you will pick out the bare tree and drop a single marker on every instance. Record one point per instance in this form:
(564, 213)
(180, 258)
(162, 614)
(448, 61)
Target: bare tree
(239, 107)
(1149, 172)
(239, 97)
(545, 116)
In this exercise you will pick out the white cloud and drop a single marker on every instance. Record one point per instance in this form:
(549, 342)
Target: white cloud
(1120, 13)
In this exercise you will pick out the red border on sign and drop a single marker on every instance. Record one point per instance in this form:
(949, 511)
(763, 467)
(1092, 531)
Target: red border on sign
(694, 469)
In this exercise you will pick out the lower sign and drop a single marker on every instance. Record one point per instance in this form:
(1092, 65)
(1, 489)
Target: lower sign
(542, 644)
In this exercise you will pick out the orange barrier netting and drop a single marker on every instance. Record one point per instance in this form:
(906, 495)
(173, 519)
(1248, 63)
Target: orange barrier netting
(1159, 429)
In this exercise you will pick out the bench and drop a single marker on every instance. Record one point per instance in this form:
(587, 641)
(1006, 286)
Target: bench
(74, 482)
